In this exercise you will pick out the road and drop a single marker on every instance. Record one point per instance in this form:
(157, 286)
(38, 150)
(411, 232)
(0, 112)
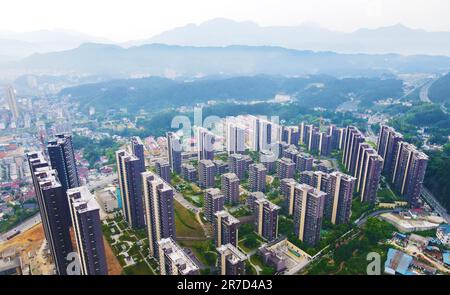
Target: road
(424, 92)
(434, 203)
(361, 220)
(24, 226)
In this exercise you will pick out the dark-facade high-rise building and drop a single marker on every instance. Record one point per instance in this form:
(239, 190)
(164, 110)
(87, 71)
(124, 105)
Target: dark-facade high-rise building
(408, 172)
(87, 227)
(266, 219)
(231, 261)
(285, 168)
(290, 135)
(189, 172)
(304, 162)
(174, 152)
(353, 138)
(337, 137)
(129, 169)
(62, 159)
(159, 210)
(230, 187)
(287, 186)
(388, 143)
(205, 144)
(338, 201)
(237, 165)
(325, 144)
(225, 229)
(163, 169)
(137, 149)
(213, 202)
(308, 213)
(206, 173)
(54, 209)
(257, 177)
(368, 173)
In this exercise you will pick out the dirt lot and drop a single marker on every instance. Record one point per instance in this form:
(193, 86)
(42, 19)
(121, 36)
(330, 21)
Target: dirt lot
(114, 267)
(29, 240)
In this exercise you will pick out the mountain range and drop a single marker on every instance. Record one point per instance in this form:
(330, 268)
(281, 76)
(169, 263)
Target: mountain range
(174, 61)
(224, 32)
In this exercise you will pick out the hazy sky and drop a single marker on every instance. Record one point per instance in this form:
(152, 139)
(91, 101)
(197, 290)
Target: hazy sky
(122, 20)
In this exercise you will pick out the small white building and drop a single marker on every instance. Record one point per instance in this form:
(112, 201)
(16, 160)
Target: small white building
(443, 234)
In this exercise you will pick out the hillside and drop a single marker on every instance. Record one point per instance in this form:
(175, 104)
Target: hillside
(156, 92)
(439, 91)
(185, 61)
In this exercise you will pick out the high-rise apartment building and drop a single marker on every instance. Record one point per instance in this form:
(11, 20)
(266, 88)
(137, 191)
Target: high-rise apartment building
(308, 213)
(235, 138)
(54, 209)
(230, 187)
(237, 165)
(137, 149)
(353, 138)
(129, 169)
(225, 229)
(257, 177)
(368, 173)
(285, 168)
(205, 144)
(388, 143)
(338, 201)
(174, 261)
(174, 152)
(213, 202)
(12, 102)
(163, 169)
(189, 172)
(304, 162)
(266, 219)
(87, 227)
(409, 171)
(206, 172)
(62, 159)
(231, 261)
(159, 210)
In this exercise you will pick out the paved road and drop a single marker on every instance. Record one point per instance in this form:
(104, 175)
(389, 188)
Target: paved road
(360, 221)
(27, 224)
(424, 92)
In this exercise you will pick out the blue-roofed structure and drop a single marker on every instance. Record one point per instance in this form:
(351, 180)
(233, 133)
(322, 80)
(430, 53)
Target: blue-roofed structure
(398, 262)
(446, 258)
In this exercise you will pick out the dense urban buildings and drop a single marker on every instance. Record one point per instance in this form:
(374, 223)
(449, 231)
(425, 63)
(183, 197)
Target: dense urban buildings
(87, 227)
(288, 190)
(163, 169)
(221, 166)
(230, 187)
(235, 138)
(159, 210)
(174, 261)
(62, 159)
(368, 172)
(257, 177)
(308, 213)
(266, 219)
(338, 202)
(189, 172)
(225, 229)
(285, 168)
(55, 213)
(409, 171)
(213, 202)
(205, 144)
(206, 172)
(337, 137)
(231, 261)
(129, 171)
(290, 135)
(174, 152)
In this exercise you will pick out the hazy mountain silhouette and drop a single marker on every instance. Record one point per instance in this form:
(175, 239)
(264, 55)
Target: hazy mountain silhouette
(224, 32)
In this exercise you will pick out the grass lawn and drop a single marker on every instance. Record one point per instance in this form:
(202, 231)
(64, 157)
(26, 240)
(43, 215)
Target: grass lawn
(385, 195)
(140, 268)
(185, 223)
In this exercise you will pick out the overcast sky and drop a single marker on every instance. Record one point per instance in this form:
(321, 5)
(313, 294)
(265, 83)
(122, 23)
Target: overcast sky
(121, 20)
